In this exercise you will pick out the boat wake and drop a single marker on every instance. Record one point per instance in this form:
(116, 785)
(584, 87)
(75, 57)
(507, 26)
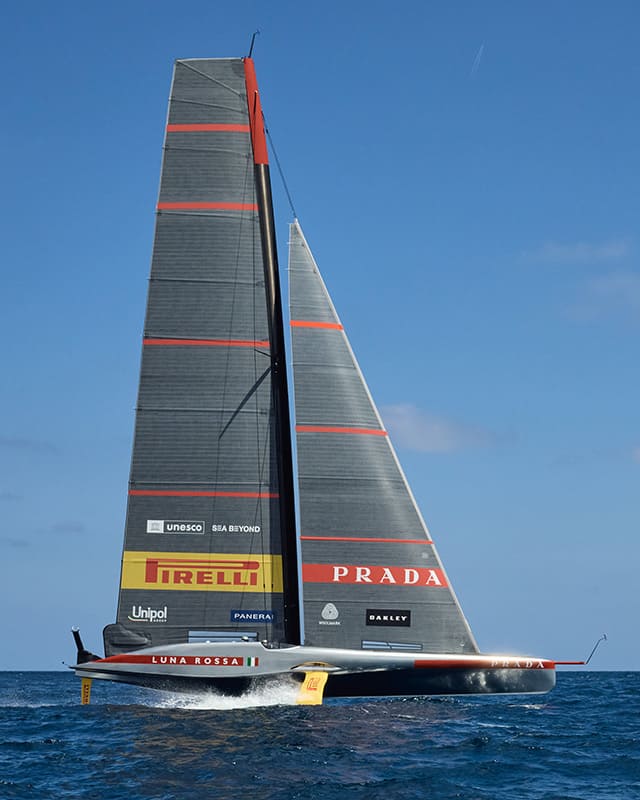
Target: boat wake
(275, 693)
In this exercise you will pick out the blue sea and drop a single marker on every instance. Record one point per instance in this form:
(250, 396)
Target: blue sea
(580, 742)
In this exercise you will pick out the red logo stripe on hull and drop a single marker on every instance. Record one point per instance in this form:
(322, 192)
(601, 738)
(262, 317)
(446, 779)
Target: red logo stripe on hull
(190, 661)
(510, 662)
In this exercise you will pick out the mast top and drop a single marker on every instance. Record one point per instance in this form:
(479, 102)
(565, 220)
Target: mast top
(253, 38)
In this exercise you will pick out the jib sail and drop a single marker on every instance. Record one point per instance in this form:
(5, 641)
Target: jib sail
(371, 576)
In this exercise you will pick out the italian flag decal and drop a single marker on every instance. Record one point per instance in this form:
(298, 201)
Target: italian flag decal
(252, 662)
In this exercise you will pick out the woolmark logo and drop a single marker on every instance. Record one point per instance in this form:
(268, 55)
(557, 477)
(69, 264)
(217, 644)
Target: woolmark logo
(388, 618)
(329, 615)
(175, 526)
(148, 614)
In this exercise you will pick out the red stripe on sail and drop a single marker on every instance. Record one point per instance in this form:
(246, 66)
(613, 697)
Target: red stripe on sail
(332, 429)
(207, 207)
(374, 574)
(363, 539)
(304, 323)
(190, 493)
(207, 126)
(206, 342)
(256, 119)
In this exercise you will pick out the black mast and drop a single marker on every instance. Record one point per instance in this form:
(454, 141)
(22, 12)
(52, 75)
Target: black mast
(278, 361)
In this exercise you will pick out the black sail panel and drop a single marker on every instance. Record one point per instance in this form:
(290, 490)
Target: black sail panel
(371, 575)
(202, 551)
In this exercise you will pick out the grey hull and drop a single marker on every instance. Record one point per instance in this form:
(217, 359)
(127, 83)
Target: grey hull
(236, 668)
(391, 683)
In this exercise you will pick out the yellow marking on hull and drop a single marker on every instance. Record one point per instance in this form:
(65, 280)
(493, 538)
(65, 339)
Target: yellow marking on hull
(312, 688)
(85, 691)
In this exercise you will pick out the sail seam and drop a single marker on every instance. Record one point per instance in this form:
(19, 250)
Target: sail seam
(207, 206)
(189, 493)
(205, 342)
(207, 126)
(364, 539)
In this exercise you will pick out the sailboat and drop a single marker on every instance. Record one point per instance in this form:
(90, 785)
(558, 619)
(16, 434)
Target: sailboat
(241, 565)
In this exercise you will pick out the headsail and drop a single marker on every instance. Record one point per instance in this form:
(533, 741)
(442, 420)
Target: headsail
(202, 553)
(371, 576)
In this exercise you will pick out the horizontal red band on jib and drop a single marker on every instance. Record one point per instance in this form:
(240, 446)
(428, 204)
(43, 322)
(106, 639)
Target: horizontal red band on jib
(510, 662)
(207, 207)
(336, 429)
(192, 493)
(370, 574)
(207, 126)
(304, 323)
(364, 539)
(194, 661)
(206, 342)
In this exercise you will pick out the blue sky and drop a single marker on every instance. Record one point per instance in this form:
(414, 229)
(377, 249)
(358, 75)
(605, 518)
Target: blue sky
(467, 176)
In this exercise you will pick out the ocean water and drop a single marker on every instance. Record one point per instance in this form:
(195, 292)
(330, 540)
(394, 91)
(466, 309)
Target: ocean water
(580, 742)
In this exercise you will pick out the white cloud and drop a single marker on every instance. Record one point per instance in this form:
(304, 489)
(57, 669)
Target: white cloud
(68, 527)
(580, 252)
(14, 542)
(615, 294)
(26, 444)
(477, 60)
(9, 497)
(419, 430)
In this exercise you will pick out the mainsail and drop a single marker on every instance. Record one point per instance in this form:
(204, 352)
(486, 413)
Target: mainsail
(371, 576)
(202, 552)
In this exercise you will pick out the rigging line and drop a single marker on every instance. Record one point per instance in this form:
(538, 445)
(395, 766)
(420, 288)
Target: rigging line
(218, 150)
(280, 170)
(233, 283)
(261, 451)
(603, 638)
(245, 400)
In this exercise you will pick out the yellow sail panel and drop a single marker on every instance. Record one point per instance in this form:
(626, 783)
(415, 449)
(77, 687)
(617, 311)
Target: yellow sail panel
(202, 572)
